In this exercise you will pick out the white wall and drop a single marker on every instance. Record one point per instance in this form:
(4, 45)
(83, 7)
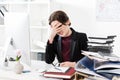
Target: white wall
(83, 18)
(2, 36)
(82, 14)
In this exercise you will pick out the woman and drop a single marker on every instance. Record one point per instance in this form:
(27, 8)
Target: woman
(64, 42)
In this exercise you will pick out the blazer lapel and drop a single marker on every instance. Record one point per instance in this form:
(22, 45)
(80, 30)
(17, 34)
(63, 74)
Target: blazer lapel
(73, 43)
(72, 48)
(59, 48)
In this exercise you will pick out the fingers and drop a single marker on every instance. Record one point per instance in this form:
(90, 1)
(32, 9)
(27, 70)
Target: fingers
(56, 24)
(62, 64)
(58, 29)
(67, 64)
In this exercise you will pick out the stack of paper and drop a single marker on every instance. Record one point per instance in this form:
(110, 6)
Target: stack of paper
(101, 44)
(85, 66)
(101, 56)
(108, 69)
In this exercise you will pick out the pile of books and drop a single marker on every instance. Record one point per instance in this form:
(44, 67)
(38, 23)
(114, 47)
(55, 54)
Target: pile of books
(102, 67)
(60, 73)
(101, 44)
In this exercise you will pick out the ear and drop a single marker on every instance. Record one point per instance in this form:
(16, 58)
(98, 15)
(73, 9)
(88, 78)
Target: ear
(68, 22)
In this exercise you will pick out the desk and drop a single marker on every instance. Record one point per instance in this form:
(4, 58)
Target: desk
(80, 76)
(33, 75)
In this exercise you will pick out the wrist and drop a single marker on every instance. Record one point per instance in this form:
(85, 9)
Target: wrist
(50, 41)
(51, 38)
(73, 64)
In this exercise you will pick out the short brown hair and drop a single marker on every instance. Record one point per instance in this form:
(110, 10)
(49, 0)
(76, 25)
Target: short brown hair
(59, 16)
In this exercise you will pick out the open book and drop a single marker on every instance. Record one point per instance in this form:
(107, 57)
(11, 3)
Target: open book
(107, 67)
(85, 66)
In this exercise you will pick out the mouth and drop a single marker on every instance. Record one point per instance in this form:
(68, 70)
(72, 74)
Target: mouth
(60, 33)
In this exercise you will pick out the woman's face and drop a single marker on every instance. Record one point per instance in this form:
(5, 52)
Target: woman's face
(63, 28)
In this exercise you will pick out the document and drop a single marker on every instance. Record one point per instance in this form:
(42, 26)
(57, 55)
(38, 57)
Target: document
(58, 69)
(100, 41)
(101, 56)
(93, 55)
(107, 68)
(112, 71)
(106, 65)
(103, 37)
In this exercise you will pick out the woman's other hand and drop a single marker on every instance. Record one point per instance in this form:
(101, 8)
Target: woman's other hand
(67, 64)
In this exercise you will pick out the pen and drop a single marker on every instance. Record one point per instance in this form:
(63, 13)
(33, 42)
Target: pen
(56, 67)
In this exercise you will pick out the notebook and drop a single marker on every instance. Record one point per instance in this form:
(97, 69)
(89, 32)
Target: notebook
(62, 75)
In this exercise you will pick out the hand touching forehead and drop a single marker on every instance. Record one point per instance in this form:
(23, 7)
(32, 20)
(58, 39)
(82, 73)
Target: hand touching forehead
(55, 24)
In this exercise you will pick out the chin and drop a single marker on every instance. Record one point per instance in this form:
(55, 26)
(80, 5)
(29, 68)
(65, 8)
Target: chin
(63, 35)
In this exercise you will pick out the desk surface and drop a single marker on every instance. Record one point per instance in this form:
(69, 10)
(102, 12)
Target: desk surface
(36, 67)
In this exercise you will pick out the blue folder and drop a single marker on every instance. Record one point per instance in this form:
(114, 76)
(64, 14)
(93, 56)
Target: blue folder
(89, 63)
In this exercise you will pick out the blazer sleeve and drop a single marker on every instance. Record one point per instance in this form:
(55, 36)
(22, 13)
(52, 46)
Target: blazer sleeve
(84, 42)
(49, 53)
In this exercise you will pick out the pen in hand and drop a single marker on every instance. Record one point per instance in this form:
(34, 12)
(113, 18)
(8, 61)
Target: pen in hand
(56, 67)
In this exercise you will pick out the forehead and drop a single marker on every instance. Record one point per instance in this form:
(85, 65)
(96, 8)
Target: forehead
(56, 21)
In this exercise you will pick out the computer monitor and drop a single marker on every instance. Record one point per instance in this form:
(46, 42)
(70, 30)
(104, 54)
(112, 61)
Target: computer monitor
(17, 29)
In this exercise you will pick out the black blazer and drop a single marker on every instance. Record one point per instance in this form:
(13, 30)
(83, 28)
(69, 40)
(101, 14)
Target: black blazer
(78, 43)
